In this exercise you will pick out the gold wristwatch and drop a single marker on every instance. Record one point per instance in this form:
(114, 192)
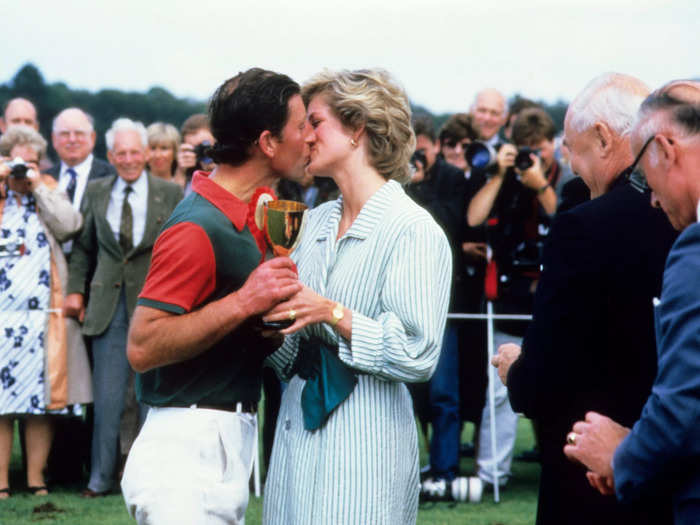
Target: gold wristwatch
(337, 313)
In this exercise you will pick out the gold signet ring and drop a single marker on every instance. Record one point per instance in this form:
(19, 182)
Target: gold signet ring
(292, 314)
(571, 438)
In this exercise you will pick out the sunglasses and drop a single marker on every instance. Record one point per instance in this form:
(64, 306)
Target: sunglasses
(637, 180)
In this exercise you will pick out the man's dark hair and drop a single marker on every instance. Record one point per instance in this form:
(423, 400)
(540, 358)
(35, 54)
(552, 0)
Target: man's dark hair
(532, 126)
(194, 123)
(520, 104)
(423, 125)
(243, 107)
(458, 127)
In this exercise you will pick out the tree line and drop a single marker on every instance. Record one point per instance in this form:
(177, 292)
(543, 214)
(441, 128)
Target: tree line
(156, 104)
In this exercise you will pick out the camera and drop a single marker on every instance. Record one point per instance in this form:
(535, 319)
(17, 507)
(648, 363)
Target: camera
(522, 159)
(201, 151)
(18, 168)
(481, 156)
(419, 156)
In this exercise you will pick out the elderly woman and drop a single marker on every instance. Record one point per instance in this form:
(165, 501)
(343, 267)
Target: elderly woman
(163, 143)
(35, 379)
(376, 269)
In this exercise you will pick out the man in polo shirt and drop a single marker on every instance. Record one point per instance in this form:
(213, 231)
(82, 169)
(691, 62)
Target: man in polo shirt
(194, 337)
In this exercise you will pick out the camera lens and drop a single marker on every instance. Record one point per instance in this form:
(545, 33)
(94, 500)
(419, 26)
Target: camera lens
(479, 155)
(522, 159)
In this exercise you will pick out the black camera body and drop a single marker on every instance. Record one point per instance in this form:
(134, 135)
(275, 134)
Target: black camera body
(419, 156)
(201, 151)
(481, 156)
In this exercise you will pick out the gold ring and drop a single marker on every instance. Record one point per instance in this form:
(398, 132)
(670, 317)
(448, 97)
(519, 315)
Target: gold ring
(571, 438)
(292, 314)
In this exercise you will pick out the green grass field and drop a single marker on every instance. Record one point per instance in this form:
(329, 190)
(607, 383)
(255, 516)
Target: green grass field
(65, 506)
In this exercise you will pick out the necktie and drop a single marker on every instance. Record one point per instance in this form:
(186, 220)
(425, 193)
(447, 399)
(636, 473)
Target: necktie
(126, 225)
(70, 189)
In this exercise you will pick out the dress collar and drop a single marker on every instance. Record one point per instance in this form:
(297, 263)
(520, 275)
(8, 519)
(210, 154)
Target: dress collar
(370, 215)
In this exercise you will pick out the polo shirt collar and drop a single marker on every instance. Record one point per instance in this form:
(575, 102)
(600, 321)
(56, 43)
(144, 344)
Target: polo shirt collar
(235, 209)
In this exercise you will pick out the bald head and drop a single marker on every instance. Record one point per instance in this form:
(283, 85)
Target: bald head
(73, 136)
(19, 111)
(597, 127)
(489, 111)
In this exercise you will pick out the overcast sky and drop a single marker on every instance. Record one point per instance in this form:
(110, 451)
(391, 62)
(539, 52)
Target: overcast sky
(441, 51)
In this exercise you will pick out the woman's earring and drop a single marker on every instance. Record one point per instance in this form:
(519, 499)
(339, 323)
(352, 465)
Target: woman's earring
(353, 143)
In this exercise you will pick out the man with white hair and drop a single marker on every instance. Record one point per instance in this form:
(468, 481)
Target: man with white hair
(19, 111)
(591, 344)
(123, 215)
(660, 453)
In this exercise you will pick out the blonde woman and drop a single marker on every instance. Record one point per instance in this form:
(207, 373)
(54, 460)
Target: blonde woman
(376, 270)
(163, 143)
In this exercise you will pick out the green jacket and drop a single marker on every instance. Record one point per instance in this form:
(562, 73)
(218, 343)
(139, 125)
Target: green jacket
(97, 248)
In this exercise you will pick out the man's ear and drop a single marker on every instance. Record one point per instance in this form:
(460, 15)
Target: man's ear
(267, 143)
(603, 137)
(110, 157)
(2, 125)
(667, 153)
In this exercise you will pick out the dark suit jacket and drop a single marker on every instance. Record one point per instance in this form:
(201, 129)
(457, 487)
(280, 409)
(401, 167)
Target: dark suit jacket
(663, 450)
(591, 344)
(114, 268)
(99, 169)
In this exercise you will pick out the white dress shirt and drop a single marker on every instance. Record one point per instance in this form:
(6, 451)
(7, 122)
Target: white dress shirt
(138, 200)
(82, 171)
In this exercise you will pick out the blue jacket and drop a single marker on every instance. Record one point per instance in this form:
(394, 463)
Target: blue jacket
(663, 450)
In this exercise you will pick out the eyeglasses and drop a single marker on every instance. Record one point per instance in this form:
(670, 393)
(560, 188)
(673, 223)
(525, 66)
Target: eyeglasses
(637, 180)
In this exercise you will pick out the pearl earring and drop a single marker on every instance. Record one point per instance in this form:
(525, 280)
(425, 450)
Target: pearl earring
(353, 143)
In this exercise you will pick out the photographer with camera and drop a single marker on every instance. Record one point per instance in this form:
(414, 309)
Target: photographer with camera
(192, 154)
(43, 364)
(518, 200)
(440, 188)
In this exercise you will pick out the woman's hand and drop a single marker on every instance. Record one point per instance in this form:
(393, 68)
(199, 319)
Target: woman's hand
(306, 307)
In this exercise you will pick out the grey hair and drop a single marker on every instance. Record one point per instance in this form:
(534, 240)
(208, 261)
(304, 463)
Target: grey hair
(612, 98)
(125, 124)
(89, 118)
(21, 135)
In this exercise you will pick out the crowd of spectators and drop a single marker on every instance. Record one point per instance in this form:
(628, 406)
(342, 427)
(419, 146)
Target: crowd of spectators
(523, 233)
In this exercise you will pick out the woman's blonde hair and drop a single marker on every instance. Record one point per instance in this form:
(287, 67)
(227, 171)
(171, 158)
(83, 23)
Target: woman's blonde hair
(162, 133)
(372, 99)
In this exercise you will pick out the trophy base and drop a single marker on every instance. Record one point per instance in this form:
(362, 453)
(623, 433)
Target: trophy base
(277, 325)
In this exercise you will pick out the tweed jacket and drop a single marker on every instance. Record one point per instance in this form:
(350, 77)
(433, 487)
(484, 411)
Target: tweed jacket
(113, 268)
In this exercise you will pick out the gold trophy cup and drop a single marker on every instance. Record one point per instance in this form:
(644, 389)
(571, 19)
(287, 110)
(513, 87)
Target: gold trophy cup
(283, 222)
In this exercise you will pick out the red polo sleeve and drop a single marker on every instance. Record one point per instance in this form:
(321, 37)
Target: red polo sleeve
(183, 270)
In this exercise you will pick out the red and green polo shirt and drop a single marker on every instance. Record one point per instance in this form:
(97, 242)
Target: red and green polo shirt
(204, 252)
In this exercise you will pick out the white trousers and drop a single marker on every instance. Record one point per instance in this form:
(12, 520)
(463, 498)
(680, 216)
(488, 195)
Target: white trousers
(190, 466)
(506, 426)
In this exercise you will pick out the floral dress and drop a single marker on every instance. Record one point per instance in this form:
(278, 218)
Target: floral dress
(24, 300)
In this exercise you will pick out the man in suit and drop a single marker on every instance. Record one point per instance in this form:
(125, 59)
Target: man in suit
(591, 344)
(661, 452)
(73, 138)
(122, 214)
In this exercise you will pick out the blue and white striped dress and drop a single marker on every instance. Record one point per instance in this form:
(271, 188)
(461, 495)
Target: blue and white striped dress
(392, 268)
(24, 299)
